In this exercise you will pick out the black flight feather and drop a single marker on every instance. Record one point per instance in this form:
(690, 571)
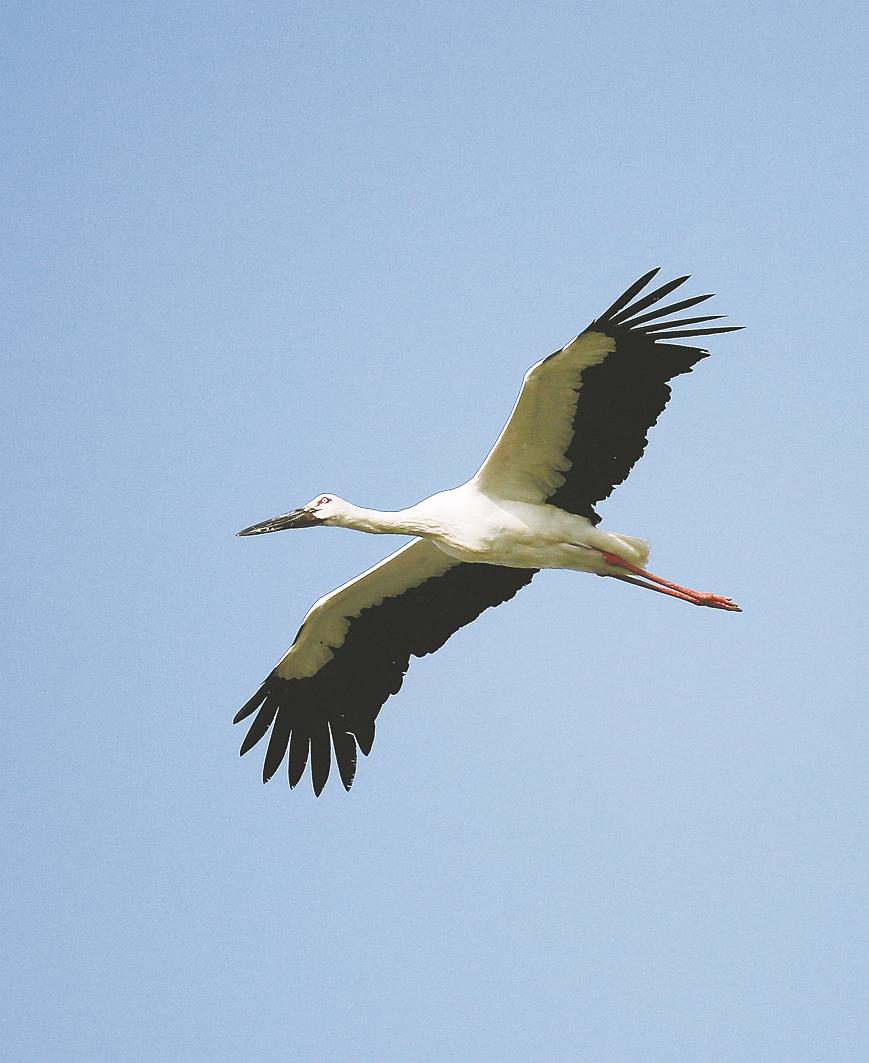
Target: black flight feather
(670, 308)
(647, 300)
(662, 326)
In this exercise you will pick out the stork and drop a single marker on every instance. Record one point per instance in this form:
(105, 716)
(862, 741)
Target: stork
(578, 427)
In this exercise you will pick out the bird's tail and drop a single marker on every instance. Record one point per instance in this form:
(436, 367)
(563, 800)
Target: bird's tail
(636, 550)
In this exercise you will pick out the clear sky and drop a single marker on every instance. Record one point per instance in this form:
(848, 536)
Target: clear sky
(256, 251)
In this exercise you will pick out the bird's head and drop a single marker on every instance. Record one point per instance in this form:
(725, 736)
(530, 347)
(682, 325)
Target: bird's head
(323, 509)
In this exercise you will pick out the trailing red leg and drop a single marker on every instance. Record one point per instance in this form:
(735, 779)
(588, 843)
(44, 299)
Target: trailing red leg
(665, 586)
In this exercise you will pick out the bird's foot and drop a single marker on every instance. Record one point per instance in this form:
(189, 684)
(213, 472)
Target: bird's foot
(715, 601)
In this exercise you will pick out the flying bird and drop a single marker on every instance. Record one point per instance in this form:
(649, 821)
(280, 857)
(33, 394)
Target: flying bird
(578, 427)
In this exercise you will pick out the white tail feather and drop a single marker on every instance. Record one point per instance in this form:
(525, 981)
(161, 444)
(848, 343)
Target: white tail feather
(637, 549)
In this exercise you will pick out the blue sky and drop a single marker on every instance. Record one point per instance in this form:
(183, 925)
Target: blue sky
(257, 251)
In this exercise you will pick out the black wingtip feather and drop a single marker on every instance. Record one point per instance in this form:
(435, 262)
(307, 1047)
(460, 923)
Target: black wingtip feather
(702, 331)
(298, 757)
(629, 293)
(321, 754)
(647, 300)
(669, 308)
(365, 736)
(624, 317)
(659, 327)
(277, 747)
(345, 754)
(258, 729)
(251, 706)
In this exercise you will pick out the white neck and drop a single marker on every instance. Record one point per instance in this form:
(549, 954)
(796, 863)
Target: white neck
(404, 522)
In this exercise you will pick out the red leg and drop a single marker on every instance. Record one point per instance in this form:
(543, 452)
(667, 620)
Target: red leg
(664, 586)
(652, 587)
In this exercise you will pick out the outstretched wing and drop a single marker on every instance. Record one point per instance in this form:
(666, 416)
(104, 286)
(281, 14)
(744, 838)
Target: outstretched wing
(581, 419)
(353, 650)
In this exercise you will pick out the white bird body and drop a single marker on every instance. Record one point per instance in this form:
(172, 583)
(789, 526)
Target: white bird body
(464, 525)
(469, 525)
(575, 432)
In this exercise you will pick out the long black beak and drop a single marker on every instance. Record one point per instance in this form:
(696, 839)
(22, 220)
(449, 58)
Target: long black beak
(298, 518)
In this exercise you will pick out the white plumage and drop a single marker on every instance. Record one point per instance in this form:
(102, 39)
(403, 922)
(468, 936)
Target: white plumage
(577, 429)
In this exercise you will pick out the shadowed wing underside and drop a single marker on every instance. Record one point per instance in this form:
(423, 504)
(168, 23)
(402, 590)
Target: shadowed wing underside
(581, 420)
(353, 651)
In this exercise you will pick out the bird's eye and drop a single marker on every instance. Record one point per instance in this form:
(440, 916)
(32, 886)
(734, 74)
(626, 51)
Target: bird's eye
(322, 501)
